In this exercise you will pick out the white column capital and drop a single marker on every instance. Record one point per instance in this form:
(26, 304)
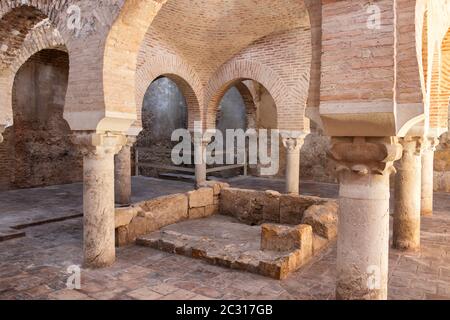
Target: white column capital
(130, 140)
(99, 144)
(200, 140)
(292, 140)
(430, 143)
(365, 155)
(413, 145)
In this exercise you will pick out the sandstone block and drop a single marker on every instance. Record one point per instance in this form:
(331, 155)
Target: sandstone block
(201, 198)
(211, 210)
(249, 206)
(122, 236)
(292, 208)
(197, 213)
(319, 243)
(215, 185)
(283, 238)
(271, 209)
(323, 219)
(124, 216)
(164, 211)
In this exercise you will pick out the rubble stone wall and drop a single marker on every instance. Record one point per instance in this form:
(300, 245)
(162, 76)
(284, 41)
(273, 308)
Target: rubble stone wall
(148, 216)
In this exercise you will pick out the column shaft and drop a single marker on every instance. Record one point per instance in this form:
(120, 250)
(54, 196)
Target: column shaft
(98, 206)
(200, 160)
(98, 196)
(293, 145)
(293, 171)
(406, 235)
(427, 182)
(122, 174)
(364, 165)
(363, 237)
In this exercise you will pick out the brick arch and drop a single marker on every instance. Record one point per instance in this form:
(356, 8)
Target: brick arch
(20, 25)
(121, 58)
(18, 19)
(40, 38)
(433, 47)
(237, 71)
(179, 72)
(440, 87)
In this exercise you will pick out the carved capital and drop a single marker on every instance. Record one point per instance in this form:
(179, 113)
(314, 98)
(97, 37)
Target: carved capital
(430, 143)
(98, 144)
(365, 155)
(293, 144)
(412, 146)
(200, 140)
(293, 140)
(130, 141)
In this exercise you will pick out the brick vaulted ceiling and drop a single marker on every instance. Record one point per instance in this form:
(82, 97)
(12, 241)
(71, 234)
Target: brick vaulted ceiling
(206, 33)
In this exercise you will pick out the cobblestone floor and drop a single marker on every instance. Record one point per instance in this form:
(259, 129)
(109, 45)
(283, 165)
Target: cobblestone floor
(35, 267)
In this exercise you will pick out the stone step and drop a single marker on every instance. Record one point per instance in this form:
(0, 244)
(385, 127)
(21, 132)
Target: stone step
(9, 233)
(228, 247)
(177, 176)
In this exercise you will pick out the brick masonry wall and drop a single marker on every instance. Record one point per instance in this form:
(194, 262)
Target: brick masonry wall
(37, 149)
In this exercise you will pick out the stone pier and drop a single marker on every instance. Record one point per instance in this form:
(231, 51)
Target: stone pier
(200, 144)
(122, 173)
(407, 196)
(293, 143)
(430, 145)
(364, 166)
(98, 196)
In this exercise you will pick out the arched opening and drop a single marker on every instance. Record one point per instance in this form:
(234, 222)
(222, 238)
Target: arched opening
(439, 117)
(247, 104)
(37, 148)
(164, 110)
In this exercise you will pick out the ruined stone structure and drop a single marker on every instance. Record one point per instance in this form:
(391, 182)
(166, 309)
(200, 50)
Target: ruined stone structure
(358, 89)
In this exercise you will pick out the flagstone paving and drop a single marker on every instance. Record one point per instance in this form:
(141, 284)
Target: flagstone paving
(35, 267)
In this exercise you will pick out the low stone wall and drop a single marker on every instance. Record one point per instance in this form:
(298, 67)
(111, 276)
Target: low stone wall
(442, 165)
(257, 207)
(248, 206)
(148, 216)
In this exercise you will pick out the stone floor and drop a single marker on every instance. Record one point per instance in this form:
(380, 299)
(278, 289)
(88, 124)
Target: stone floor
(23, 208)
(224, 241)
(35, 266)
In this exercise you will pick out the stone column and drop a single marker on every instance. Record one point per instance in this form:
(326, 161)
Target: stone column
(293, 143)
(430, 145)
(407, 196)
(98, 196)
(122, 173)
(363, 166)
(200, 145)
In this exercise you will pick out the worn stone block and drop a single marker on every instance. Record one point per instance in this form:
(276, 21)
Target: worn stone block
(250, 206)
(217, 186)
(292, 207)
(271, 208)
(122, 236)
(323, 219)
(165, 210)
(211, 210)
(197, 213)
(123, 216)
(285, 238)
(201, 198)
